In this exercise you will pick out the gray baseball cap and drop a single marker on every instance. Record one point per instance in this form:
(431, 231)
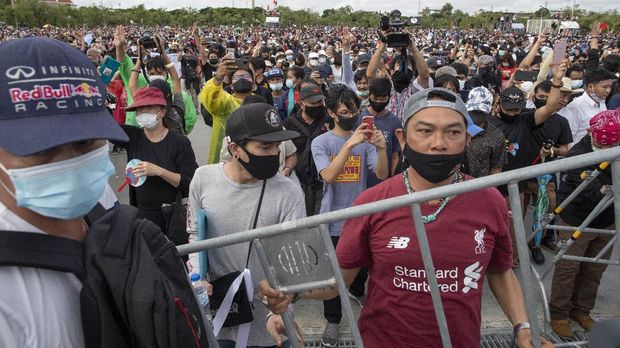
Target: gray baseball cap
(420, 101)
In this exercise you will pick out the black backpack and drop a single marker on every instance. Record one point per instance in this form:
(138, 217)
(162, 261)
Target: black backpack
(135, 290)
(305, 169)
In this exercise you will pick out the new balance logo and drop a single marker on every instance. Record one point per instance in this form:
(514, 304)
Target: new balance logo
(398, 242)
(472, 275)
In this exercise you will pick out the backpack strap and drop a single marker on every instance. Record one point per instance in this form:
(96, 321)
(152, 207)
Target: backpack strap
(94, 214)
(122, 223)
(302, 128)
(38, 250)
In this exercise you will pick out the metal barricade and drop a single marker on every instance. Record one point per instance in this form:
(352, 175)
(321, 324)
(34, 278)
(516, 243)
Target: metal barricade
(414, 199)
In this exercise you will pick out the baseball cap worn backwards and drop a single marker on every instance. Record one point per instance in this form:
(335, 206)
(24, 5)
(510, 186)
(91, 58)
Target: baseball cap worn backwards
(421, 100)
(51, 95)
(258, 121)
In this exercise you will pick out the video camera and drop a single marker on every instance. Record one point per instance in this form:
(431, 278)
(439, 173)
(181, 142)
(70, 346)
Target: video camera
(148, 40)
(394, 24)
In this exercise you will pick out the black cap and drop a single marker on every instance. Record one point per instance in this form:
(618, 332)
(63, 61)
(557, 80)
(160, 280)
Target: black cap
(363, 58)
(435, 62)
(512, 98)
(258, 121)
(311, 93)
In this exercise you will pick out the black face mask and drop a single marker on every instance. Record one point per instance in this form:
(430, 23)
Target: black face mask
(507, 118)
(242, 86)
(213, 62)
(378, 107)
(539, 103)
(315, 112)
(347, 123)
(434, 168)
(486, 71)
(261, 167)
(402, 80)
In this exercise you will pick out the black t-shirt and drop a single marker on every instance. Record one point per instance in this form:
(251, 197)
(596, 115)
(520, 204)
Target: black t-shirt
(521, 146)
(173, 153)
(300, 141)
(208, 71)
(555, 128)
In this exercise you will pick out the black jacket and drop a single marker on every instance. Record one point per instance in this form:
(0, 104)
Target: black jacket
(577, 211)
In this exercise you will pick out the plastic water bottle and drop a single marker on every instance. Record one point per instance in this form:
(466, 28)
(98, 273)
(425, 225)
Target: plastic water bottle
(201, 295)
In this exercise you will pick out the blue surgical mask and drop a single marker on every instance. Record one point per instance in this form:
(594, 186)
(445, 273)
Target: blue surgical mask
(63, 190)
(576, 84)
(290, 83)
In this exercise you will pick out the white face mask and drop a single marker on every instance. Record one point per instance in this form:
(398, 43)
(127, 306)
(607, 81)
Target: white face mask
(275, 86)
(290, 83)
(462, 84)
(322, 60)
(157, 77)
(147, 120)
(314, 62)
(595, 97)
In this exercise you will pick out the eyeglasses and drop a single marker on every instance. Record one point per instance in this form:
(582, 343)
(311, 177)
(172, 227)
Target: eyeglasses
(349, 113)
(239, 77)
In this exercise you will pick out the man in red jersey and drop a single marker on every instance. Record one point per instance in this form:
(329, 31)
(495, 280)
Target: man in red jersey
(468, 235)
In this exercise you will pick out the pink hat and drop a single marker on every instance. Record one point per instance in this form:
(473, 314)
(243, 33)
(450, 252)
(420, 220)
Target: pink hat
(605, 127)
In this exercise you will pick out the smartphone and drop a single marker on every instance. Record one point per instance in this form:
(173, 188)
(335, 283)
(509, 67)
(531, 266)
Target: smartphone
(559, 51)
(526, 75)
(242, 63)
(370, 124)
(108, 68)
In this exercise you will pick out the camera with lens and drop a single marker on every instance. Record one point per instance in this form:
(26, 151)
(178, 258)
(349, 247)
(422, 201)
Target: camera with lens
(394, 23)
(148, 40)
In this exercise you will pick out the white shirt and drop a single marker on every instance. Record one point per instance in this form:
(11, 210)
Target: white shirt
(578, 113)
(38, 307)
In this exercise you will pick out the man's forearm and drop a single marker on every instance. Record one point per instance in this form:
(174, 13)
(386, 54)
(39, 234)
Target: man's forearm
(382, 170)
(336, 166)
(507, 290)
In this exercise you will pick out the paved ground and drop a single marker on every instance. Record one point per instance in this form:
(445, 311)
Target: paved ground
(309, 314)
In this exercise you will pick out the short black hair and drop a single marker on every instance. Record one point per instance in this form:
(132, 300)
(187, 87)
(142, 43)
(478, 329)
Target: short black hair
(598, 75)
(359, 75)
(612, 63)
(445, 80)
(253, 99)
(545, 86)
(258, 63)
(342, 94)
(574, 67)
(461, 69)
(380, 87)
(298, 72)
(156, 63)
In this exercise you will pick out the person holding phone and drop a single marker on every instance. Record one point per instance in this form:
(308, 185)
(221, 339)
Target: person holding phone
(220, 104)
(343, 157)
(384, 120)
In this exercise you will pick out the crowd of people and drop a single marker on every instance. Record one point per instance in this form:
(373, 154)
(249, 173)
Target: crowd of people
(305, 120)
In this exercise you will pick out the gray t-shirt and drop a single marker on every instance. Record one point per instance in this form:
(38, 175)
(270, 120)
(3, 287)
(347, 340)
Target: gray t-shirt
(230, 207)
(351, 182)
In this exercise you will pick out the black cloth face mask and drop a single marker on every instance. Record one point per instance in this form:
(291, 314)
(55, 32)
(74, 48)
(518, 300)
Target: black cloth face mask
(315, 112)
(434, 168)
(539, 103)
(261, 167)
(378, 107)
(401, 80)
(347, 123)
(507, 118)
(242, 86)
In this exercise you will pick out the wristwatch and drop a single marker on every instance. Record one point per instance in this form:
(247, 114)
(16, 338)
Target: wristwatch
(519, 327)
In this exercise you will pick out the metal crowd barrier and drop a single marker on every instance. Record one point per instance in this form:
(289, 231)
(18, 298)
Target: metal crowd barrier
(511, 178)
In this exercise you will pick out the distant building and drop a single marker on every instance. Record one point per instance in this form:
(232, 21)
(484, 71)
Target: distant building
(58, 2)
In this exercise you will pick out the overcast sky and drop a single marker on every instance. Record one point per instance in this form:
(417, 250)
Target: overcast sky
(369, 5)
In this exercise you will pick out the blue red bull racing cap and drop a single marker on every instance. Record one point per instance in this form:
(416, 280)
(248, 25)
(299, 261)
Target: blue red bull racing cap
(50, 95)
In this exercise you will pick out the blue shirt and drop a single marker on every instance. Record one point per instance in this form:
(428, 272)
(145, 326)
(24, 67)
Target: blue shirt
(387, 124)
(351, 182)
